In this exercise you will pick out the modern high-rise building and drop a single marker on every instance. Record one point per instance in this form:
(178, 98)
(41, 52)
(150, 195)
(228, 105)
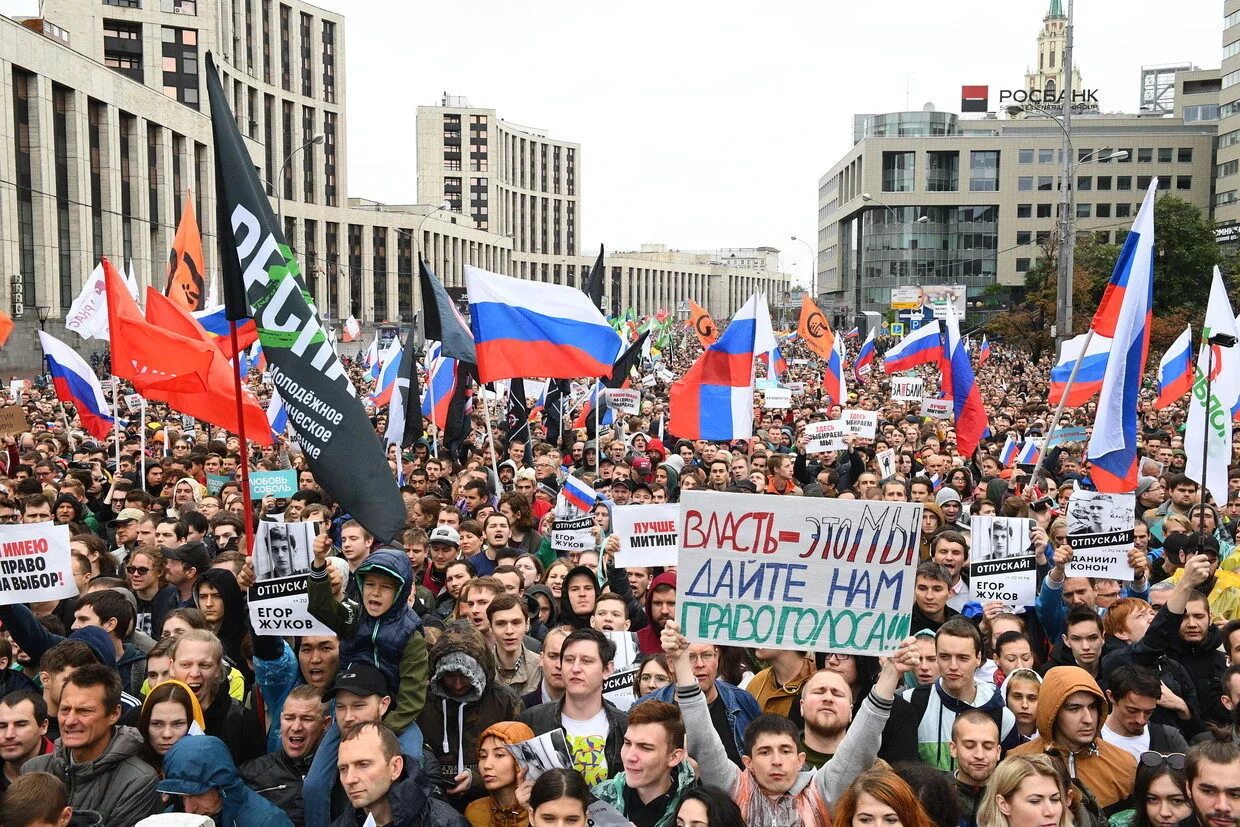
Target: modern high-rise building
(1227, 183)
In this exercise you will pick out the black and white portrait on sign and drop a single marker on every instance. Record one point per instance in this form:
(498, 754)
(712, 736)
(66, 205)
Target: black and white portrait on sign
(283, 549)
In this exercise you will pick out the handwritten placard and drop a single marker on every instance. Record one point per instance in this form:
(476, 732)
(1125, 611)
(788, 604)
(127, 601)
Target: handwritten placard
(936, 408)
(624, 400)
(830, 435)
(133, 401)
(793, 573)
(648, 534)
(13, 420)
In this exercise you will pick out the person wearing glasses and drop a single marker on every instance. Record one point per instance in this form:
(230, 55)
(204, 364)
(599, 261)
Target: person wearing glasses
(10, 511)
(1160, 796)
(1134, 693)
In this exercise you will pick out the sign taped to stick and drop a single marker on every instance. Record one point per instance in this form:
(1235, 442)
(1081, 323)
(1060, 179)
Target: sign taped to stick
(825, 575)
(906, 388)
(625, 400)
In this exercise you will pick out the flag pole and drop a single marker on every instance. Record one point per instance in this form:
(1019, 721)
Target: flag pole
(1205, 443)
(486, 413)
(142, 441)
(116, 413)
(1063, 400)
(598, 438)
(245, 448)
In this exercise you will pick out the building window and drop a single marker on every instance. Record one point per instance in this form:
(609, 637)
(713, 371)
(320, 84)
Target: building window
(1184, 155)
(269, 142)
(1104, 182)
(1225, 169)
(122, 48)
(152, 175)
(286, 68)
(404, 269)
(330, 192)
(478, 144)
(355, 270)
(1042, 237)
(308, 162)
(1123, 156)
(1123, 182)
(1046, 183)
(1084, 155)
(943, 171)
(331, 240)
(1165, 154)
(266, 41)
(179, 6)
(1024, 183)
(124, 4)
(379, 274)
(572, 178)
(1023, 237)
(898, 171)
(329, 61)
(1184, 182)
(1123, 210)
(1022, 265)
(1102, 210)
(1201, 112)
(312, 267)
(1164, 183)
(1084, 210)
(1046, 156)
(96, 115)
(1143, 182)
(286, 137)
(22, 94)
(1024, 211)
(180, 66)
(128, 124)
(1025, 156)
(1145, 155)
(1044, 210)
(307, 62)
(1084, 183)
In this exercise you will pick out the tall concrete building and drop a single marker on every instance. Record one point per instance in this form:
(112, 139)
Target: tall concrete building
(1227, 185)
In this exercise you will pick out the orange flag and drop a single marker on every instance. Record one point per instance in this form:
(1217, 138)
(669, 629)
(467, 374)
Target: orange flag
(146, 355)
(217, 403)
(6, 327)
(703, 325)
(814, 329)
(186, 271)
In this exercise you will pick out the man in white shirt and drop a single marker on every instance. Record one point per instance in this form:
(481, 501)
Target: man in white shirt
(1133, 692)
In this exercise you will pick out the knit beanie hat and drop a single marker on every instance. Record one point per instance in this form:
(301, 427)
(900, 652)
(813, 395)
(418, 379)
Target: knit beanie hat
(508, 732)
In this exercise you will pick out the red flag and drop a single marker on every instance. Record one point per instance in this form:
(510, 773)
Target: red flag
(146, 355)
(217, 403)
(6, 327)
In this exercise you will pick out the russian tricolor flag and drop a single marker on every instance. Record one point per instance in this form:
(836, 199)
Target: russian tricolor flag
(1175, 371)
(215, 323)
(854, 333)
(530, 329)
(76, 384)
(961, 388)
(923, 346)
(1010, 449)
(441, 384)
(833, 383)
(1029, 454)
(388, 374)
(983, 352)
(277, 415)
(865, 358)
(1125, 317)
(714, 399)
(578, 494)
(1089, 375)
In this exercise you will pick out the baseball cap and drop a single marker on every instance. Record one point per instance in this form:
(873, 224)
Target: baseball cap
(444, 534)
(641, 465)
(128, 515)
(621, 484)
(360, 678)
(192, 554)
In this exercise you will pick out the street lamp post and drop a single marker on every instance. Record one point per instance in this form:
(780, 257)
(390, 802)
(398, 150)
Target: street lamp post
(813, 264)
(319, 138)
(45, 313)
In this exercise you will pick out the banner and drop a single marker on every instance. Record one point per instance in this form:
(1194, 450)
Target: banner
(702, 324)
(1064, 436)
(624, 400)
(262, 280)
(937, 408)
(861, 423)
(573, 534)
(1100, 533)
(34, 563)
(279, 484)
(777, 399)
(278, 601)
(831, 435)
(906, 388)
(794, 573)
(1001, 564)
(186, 271)
(88, 315)
(217, 481)
(648, 534)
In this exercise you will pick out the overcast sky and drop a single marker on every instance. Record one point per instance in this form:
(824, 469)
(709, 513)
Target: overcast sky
(708, 124)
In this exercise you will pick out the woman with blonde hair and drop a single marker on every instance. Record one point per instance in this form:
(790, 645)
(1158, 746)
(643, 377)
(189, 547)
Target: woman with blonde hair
(880, 797)
(1025, 791)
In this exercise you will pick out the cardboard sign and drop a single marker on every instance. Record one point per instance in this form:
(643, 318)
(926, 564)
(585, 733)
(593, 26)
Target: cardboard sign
(937, 408)
(624, 400)
(831, 435)
(34, 563)
(886, 463)
(13, 420)
(861, 423)
(906, 388)
(648, 381)
(777, 399)
(574, 534)
(648, 534)
(1001, 564)
(279, 604)
(279, 484)
(1100, 533)
(541, 753)
(133, 401)
(795, 573)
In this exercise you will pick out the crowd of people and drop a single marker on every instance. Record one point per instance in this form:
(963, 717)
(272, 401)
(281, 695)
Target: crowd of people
(471, 635)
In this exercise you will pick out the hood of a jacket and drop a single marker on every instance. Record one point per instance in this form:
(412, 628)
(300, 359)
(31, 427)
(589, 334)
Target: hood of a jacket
(674, 462)
(1057, 685)
(394, 564)
(545, 590)
(78, 508)
(233, 626)
(196, 763)
(460, 649)
(673, 474)
(935, 509)
(126, 742)
(566, 612)
(667, 578)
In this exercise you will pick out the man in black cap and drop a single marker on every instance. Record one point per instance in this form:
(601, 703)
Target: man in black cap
(184, 564)
(621, 491)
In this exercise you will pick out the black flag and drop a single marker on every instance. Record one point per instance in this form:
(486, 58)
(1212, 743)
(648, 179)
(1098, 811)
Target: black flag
(558, 392)
(262, 280)
(443, 324)
(517, 421)
(405, 410)
(620, 371)
(595, 281)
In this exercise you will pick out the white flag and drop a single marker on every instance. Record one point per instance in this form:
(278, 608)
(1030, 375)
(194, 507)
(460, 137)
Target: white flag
(1224, 389)
(131, 282)
(88, 315)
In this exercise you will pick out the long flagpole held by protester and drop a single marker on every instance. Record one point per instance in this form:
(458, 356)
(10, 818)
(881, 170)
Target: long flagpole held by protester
(1063, 401)
(598, 439)
(245, 448)
(142, 441)
(117, 433)
(486, 414)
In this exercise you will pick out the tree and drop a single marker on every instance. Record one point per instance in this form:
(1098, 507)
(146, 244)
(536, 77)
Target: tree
(1028, 323)
(1185, 254)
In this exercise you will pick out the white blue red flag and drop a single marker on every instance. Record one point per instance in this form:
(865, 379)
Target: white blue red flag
(833, 382)
(1088, 380)
(714, 399)
(388, 373)
(441, 383)
(577, 493)
(924, 346)
(1029, 454)
(961, 388)
(277, 415)
(76, 384)
(865, 358)
(1175, 370)
(530, 329)
(1124, 316)
(1010, 449)
(983, 352)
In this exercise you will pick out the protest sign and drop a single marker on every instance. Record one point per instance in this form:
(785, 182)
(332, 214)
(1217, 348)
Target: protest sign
(649, 381)
(861, 423)
(765, 382)
(1100, 533)
(626, 648)
(217, 481)
(618, 687)
(648, 534)
(541, 753)
(625, 400)
(665, 375)
(34, 563)
(573, 534)
(16, 386)
(1063, 436)
(906, 388)
(13, 420)
(936, 408)
(1001, 564)
(133, 401)
(777, 399)
(796, 387)
(795, 573)
(276, 483)
(886, 463)
(831, 435)
(278, 601)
